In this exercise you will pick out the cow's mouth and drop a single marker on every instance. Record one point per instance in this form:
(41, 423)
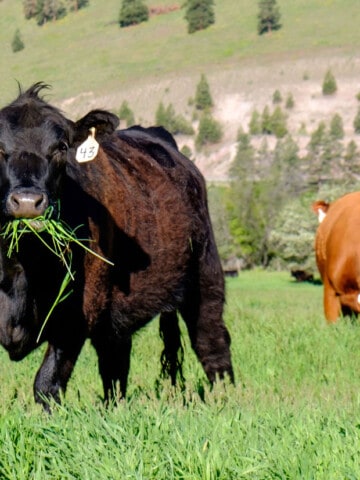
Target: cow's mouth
(36, 224)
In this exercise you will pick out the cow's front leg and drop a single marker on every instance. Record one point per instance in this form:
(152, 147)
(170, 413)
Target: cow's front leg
(53, 375)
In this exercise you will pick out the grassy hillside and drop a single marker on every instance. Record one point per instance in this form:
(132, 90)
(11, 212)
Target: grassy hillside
(88, 52)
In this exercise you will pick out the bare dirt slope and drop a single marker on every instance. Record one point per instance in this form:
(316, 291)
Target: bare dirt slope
(237, 91)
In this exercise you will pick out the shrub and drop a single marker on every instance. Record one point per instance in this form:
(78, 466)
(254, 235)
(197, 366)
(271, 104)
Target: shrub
(186, 150)
(329, 85)
(277, 98)
(289, 104)
(133, 12)
(292, 238)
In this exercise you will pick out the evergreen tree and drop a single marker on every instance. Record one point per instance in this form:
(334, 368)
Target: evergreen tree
(199, 14)
(210, 131)
(175, 124)
(278, 123)
(268, 16)
(266, 127)
(336, 127)
(133, 12)
(126, 114)
(289, 104)
(357, 121)
(17, 44)
(324, 156)
(352, 162)
(329, 85)
(203, 99)
(287, 165)
(255, 123)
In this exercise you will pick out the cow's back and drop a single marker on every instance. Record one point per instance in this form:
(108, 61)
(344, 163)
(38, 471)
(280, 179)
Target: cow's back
(337, 248)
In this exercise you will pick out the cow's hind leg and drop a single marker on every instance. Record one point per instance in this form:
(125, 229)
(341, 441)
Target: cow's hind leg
(173, 353)
(113, 353)
(202, 311)
(209, 337)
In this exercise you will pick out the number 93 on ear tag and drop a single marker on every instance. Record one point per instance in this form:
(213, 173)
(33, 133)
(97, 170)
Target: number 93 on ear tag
(88, 150)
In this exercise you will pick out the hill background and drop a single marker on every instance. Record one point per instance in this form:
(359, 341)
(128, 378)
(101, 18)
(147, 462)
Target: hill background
(91, 62)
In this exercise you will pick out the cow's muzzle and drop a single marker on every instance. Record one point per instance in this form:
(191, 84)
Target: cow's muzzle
(26, 204)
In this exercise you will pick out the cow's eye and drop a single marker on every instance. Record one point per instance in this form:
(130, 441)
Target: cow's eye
(63, 147)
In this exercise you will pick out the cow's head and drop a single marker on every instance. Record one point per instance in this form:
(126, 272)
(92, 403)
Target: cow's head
(36, 141)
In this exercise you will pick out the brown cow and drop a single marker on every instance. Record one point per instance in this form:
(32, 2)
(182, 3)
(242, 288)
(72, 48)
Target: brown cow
(337, 252)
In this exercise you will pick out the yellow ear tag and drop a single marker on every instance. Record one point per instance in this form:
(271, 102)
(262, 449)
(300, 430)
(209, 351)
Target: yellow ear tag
(88, 150)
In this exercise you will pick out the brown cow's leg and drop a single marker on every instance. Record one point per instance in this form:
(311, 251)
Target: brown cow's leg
(332, 307)
(202, 312)
(113, 353)
(173, 353)
(209, 338)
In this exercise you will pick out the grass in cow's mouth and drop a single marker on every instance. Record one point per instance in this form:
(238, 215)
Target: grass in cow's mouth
(60, 236)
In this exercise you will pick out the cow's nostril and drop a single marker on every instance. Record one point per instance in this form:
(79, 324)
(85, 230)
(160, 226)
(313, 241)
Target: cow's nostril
(26, 204)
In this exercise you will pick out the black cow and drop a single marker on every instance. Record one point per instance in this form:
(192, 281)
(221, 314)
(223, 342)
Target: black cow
(144, 207)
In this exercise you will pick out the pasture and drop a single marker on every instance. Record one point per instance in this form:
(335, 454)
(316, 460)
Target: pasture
(293, 414)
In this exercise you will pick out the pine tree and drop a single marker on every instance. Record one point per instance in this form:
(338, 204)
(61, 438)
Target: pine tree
(176, 124)
(199, 14)
(255, 123)
(268, 16)
(289, 101)
(203, 99)
(266, 121)
(17, 44)
(133, 12)
(278, 123)
(210, 131)
(336, 128)
(329, 85)
(356, 122)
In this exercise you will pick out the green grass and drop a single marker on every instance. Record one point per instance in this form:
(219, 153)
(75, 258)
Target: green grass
(88, 52)
(293, 414)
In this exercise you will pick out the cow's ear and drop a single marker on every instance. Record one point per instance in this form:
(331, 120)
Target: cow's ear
(105, 123)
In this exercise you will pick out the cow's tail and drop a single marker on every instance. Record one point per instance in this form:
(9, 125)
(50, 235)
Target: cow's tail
(173, 354)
